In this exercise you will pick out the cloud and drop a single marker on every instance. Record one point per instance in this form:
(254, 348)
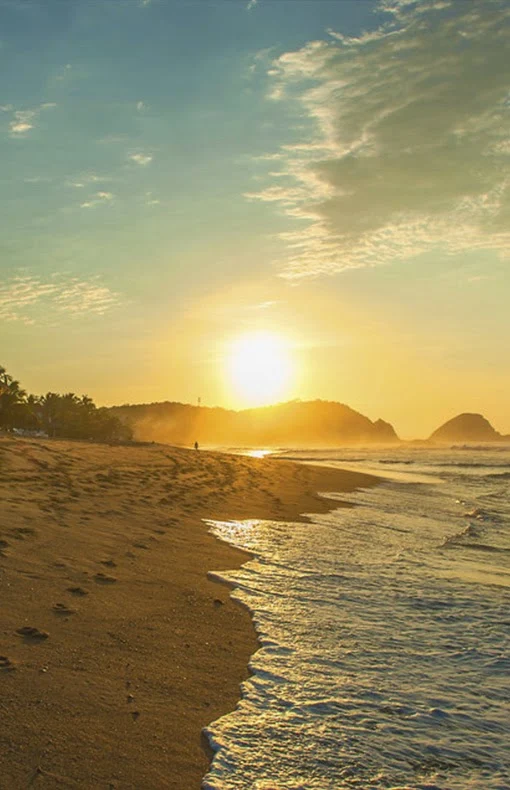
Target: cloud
(20, 127)
(251, 5)
(265, 305)
(141, 159)
(259, 62)
(82, 179)
(288, 196)
(23, 121)
(37, 180)
(93, 178)
(100, 198)
(112, 139)
(150, 200)
(25, 298)
(408, 146)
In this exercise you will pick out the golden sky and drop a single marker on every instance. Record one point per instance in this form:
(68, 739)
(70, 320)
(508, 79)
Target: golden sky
(214, 200)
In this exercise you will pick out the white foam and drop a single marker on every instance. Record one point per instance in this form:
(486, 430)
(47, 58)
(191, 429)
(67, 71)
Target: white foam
(384, 658)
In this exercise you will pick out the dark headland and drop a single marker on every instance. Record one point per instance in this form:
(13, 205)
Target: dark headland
(293, 424)
(467, 428)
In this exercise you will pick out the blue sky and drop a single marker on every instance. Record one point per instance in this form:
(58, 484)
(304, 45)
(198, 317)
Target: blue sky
(176, 172)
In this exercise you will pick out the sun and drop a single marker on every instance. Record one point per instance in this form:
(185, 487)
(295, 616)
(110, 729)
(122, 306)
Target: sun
(260, 368)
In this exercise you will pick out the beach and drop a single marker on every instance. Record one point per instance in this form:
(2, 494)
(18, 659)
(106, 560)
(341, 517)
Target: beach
(116, 647)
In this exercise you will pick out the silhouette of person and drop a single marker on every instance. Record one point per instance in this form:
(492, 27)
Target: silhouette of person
(196, 445)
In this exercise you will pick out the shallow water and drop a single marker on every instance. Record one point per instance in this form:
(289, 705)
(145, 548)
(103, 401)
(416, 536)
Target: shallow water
(385, 634)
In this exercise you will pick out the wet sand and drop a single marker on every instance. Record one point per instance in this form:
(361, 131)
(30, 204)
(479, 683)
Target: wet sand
(116, 649)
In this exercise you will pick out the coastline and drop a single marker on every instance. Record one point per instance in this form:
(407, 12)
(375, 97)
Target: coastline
(105, 549)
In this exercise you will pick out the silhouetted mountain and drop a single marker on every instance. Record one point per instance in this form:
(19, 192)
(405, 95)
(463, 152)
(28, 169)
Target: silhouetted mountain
(385, 431)
(467, 428)
(320, 423)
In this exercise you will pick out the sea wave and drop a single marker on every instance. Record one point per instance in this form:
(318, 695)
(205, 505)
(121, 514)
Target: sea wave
(384, 657)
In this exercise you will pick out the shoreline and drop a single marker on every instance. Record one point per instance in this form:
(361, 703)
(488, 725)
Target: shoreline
(104, 548)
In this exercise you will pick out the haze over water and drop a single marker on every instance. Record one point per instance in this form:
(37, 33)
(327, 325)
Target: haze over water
(384, 630)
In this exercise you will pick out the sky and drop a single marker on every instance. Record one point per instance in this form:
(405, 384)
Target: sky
(330, 175)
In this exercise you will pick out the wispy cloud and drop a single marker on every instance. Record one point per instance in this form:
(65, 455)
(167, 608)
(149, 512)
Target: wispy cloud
(251, 5)
(81, 180)
(260, 61)
(37, 180)
(27, 298)
(23, 121)
(150, 199)
(409, 146)
(99, 198)
(265, 305)
(64, 73)
(140, 159)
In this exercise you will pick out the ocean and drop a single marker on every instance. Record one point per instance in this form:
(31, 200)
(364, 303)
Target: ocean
(384, 632)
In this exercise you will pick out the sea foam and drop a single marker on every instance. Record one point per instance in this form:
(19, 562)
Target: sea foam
(384, 637)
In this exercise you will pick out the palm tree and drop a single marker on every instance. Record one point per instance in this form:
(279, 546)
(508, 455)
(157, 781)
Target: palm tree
(66, 415)
(12, 399)
(49, 405)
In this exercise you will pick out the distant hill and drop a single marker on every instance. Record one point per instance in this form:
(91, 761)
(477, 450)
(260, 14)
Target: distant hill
(467, 428)
(308, 423)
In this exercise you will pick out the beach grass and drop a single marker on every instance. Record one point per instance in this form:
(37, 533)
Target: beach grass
(116, 649)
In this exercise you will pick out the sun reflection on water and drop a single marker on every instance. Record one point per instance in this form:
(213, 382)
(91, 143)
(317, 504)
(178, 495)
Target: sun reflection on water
(258, 453)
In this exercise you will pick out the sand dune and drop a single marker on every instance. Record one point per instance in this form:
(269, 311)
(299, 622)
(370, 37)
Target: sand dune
(115, 647)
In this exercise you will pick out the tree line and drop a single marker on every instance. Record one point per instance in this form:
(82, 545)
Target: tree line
(68, 416)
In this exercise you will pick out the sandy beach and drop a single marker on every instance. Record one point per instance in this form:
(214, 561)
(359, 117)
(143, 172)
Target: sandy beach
(116, 649)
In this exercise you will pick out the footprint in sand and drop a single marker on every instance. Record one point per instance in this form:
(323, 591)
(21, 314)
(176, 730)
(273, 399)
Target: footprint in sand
(21, 533)
(6, 665)
(104, 578)
(32, 634)
(63, 609)
(77, 591)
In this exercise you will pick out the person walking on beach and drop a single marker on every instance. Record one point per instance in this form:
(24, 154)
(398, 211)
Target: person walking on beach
(196, 445)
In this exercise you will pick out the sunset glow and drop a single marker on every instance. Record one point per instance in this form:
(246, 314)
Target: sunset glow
(180, 177)
(260, 368)
(254, 330)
